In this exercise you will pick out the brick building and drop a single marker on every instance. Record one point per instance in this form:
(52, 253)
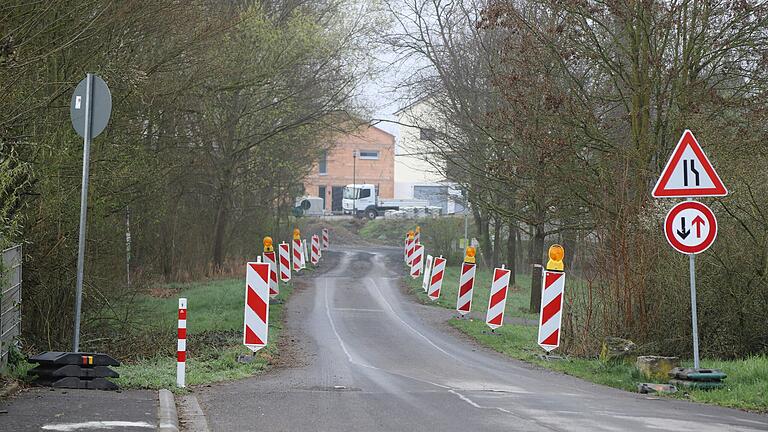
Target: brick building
(374, 164)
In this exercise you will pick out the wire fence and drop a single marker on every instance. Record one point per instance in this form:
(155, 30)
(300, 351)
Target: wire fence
(10, 301)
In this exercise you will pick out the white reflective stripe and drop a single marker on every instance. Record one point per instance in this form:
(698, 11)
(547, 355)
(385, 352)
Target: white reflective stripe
(470, 274)
(427, 270)
(550, 293)
(183, 323)
(549, 327)
(181, 345)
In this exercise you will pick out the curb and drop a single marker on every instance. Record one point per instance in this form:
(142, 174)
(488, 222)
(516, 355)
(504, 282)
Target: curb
(168, 419)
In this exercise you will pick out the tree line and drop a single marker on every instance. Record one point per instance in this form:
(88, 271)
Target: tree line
(556, 117)
(219, 110)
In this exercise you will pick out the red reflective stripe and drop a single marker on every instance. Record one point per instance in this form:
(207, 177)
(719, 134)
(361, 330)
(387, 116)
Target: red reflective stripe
(498, 296)
(551, 339)
(496, 320)
(182, 333)
(436, 278)
(182, 314)
(257, 304)
(466, 287)
(551, 309)
(251, 338)
(181, 356)
(435, 294)
(551, 278)
(466, 306)
(498, 274)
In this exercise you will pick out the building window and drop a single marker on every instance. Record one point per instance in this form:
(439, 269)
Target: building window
(369, 154)
(323, 164)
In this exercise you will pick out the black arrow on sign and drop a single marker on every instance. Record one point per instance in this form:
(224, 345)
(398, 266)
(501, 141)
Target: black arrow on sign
(685, 232)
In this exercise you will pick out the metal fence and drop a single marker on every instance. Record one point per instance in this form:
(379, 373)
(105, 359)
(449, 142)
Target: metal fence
(10, 301)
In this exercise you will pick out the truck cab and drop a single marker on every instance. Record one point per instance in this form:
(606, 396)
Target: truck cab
(361, 198)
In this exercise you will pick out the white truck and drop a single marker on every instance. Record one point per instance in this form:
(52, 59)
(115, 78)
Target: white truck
(364, 199)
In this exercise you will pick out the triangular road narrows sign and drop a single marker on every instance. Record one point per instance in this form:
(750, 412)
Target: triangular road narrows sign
(688, 173)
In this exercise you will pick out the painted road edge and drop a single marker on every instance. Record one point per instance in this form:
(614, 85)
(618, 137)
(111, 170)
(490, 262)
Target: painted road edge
(168, 419)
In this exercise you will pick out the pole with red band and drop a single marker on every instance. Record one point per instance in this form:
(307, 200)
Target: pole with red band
(181, 347)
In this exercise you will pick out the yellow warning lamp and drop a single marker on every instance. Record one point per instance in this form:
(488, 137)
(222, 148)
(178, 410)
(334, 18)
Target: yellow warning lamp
(469, 255)
(410, 235)
(268, 244)
(556, 255)
(296, 234)
(418, 229)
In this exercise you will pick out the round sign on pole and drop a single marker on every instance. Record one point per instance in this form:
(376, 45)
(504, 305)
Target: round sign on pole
(101, 106)
(690, 227)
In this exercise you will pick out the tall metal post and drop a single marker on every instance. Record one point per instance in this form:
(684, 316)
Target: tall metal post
(694, 317)
(128, 246)
(354, 183)
(83, 209)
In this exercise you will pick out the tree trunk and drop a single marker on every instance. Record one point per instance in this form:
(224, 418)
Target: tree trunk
(537, 250)
(219, 230)
(512, 253)
(496, 243)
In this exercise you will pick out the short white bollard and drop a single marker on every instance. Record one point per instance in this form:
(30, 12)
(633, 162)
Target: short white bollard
(181, 348)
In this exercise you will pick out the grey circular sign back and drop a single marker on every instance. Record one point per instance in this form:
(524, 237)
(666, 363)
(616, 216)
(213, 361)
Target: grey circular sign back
(101, 107)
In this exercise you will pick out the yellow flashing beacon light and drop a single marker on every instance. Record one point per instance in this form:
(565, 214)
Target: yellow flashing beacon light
(418, 229)
(556, 255)
(469, 255)
(410, 235)
(296, 234)
(268, 244)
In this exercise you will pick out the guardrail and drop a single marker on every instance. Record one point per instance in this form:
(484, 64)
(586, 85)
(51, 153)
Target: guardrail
(10, 301)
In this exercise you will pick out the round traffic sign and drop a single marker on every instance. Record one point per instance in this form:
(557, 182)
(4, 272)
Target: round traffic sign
(101, 106)
(690, 227)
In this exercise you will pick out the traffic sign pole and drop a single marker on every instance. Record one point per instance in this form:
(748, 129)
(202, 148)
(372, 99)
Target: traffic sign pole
(83, 210)
(694, 315)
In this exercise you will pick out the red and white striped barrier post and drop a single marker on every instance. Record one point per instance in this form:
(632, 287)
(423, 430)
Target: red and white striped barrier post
(436, 280)
(315, 252)
(269, 257)
(285, 262)
(405, 249)
(497, 300)
(427, 272)
(256, 319)
(326, 239)
(409, 248)
(304, 254)
(417, 261)
(553, 288)
(297, 250)
(466, 282)
(181, 345)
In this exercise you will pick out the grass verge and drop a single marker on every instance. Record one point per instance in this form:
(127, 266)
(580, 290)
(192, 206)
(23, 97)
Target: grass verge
(746, 386)
(214, 336)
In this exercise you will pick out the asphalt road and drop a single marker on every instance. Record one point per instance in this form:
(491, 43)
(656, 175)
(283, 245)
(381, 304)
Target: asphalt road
(369, 358)
(71, 410)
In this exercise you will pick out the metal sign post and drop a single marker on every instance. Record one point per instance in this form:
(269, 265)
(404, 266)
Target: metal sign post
(90, 108)
(688, 174)
(694, 315)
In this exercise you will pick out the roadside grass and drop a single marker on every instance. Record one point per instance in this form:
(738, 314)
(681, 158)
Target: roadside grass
(214, 336)
(517, 299)
(745, 388)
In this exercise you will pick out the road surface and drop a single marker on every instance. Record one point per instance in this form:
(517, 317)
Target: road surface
(371, 359)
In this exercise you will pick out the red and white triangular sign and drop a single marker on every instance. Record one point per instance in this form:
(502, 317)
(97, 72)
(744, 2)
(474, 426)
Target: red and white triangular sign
(688, 173)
